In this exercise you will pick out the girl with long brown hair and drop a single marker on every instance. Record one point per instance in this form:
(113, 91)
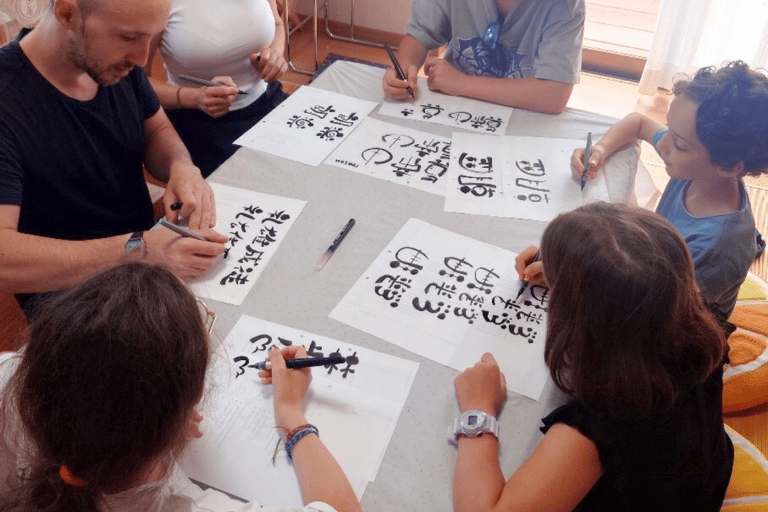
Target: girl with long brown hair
(103, 398)
(640, 358)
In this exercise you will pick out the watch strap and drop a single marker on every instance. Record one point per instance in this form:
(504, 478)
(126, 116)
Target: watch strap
(136, 243)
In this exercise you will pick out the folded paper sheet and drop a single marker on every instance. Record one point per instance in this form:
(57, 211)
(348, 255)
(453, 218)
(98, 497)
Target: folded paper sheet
(451, 298)
(355, 406)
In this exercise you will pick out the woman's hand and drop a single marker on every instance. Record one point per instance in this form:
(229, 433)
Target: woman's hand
(270, 64)
(216, 101)
(482, 387)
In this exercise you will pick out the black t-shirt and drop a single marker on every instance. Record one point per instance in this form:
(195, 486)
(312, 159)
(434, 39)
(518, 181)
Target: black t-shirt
(678, 461)
(74, 167)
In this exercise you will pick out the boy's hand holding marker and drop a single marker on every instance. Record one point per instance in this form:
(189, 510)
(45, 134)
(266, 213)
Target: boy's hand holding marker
(528, 270)
(596, 160)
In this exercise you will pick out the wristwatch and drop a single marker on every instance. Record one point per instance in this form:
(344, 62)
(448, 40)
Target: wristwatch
(472, 423)
(136, 244)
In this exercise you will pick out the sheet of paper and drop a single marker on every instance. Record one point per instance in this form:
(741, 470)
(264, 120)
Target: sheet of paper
(307, 126)
(397, 154)
(519, 177)
(451, 298)
(439, 108)
(256, 224)
(355, 406)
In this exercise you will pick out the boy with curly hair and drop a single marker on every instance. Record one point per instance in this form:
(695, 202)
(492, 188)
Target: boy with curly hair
(716, 133)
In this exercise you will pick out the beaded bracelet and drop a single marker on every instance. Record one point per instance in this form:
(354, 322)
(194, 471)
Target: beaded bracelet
(296, 434)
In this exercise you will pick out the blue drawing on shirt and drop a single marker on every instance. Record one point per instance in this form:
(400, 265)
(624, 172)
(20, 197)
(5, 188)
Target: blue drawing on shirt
(475, 58)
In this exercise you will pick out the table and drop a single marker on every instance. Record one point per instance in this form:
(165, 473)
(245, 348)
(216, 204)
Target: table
(417, 470)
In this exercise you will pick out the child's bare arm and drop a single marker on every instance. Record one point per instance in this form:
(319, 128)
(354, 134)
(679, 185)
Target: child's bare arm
(633, 127)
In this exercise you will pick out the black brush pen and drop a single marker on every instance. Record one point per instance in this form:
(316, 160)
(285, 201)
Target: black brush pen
(304, 362)
(398, 69)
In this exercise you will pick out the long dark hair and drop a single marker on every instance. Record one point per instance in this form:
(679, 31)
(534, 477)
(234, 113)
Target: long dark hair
(628, 330)
(107, 384)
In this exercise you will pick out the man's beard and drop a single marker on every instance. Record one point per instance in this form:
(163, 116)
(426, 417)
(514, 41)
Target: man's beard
(78, 53)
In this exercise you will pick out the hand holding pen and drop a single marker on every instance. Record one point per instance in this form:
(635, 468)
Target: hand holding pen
(529, 269)
(398, 70)
(290, 386)
(585, 167)
(215, 98)
(398, 81)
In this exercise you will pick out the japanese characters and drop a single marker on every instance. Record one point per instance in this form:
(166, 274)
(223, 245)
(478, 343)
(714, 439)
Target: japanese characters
(397, 154)
(521, 177)
(355, 405)
(455, 111)
(256, 223)
(451, 298)
(312, 120)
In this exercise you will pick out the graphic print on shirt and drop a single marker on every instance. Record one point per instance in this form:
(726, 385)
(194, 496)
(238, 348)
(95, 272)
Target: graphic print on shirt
(474, 57)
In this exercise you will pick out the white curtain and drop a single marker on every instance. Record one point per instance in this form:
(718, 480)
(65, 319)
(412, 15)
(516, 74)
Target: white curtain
(691, 34)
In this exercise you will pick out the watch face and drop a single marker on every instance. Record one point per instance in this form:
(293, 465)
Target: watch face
(473, 420)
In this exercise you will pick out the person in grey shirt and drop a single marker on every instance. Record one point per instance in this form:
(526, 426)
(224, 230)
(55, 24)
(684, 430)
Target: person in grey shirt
(536, 42)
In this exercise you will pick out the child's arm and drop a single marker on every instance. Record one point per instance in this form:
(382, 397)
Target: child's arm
(319, 474)
(535, 94)
(562, 469)
(633, 127)
(410, 55)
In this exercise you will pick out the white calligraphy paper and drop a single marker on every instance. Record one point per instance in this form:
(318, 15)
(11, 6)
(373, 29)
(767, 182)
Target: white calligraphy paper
(307, 126)
(397, 154)
(451, 298)
(520, 177)
(439, 108)
(355, 406)
(256, 224)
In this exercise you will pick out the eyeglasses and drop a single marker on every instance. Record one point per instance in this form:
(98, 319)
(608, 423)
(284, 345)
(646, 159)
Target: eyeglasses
(208, 315)
(491, 35)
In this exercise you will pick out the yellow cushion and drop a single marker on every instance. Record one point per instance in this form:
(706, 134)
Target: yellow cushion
(748, 489)
(745, 380)
(753, 288)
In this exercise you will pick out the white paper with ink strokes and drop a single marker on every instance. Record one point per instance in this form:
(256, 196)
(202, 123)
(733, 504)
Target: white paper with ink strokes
(517, 177)
(438, 108)
(452, 298)
(256, 224)
(307, 126)
(397, 154)
(355, 406)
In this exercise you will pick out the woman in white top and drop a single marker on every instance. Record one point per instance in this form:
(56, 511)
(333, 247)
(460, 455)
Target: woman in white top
(237, 43)
(103, 399)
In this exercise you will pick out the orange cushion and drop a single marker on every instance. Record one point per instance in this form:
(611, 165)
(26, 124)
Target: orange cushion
(745, 380)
